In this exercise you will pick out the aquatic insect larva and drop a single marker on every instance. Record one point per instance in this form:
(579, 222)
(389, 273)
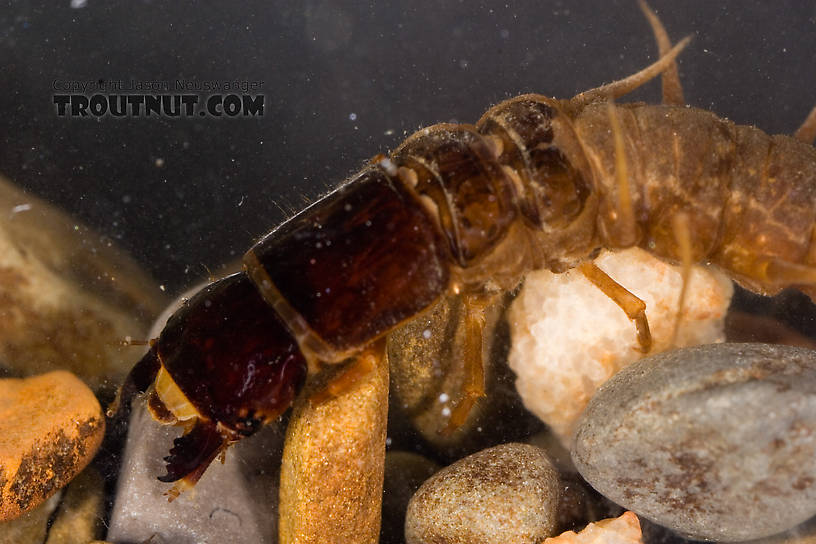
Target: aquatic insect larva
(470, 209)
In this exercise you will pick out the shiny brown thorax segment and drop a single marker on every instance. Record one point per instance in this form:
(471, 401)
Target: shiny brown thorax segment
(551, 193)
(353, 266)
(554, 195)
(460, 203)
(456, 167)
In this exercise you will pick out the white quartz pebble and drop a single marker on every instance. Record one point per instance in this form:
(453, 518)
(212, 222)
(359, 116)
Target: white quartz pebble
(568, 337)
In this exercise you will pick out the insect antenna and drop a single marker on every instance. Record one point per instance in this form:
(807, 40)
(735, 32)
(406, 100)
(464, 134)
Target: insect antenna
(807, 132)
(624, 86)
(210, 276)
(672, 89)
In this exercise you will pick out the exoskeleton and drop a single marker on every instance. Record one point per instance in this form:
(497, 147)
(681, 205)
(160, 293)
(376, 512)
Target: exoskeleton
(470, 209)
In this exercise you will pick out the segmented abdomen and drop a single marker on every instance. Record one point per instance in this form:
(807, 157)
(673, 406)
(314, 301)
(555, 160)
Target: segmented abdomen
(750, 197)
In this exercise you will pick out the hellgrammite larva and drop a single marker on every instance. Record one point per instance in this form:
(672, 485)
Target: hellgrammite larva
(470, 209)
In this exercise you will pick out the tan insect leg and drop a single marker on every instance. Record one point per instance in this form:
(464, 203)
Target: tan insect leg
(769, 272)
(682, 235)
(807, 132)
(633, 307)
(672, 90)
(345, 380)
(785, 273)
(474, 386)
(626, 212)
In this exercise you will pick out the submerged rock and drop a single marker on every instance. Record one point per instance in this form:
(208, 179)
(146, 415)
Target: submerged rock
(569, 337)
(508, 494)
(234, 501)
(621, 530)
(68, 297)
(50, 428)
(31, 526)
(79, 519)
(333, 464)
(715, 442)
(426, 358)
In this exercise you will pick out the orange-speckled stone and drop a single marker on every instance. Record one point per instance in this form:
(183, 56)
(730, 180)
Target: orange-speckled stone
(621, 530)
(50, 428)
(333, 463)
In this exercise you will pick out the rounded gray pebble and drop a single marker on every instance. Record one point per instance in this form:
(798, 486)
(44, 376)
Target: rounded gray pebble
(716, 442)
(506, 494)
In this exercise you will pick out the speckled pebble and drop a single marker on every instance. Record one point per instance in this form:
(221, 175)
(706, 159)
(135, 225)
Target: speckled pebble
(507, 494)
(50, 428)
(715, 442)
(333, 462)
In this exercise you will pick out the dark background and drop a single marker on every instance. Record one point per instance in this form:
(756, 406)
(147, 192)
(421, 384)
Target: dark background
(224, 182)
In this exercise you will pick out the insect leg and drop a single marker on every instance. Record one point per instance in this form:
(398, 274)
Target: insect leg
(682, 235)
(672, 89)
(772, 271)
(362, 365)
(634, 308)
(137, 381)
(474, 383)
(807, 132)
(626, 211)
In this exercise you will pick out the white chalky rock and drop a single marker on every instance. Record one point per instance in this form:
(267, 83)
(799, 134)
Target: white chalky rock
(568, 337)
(622, 530)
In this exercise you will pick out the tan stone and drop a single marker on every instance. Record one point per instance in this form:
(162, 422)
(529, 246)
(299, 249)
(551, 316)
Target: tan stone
(50, 428)
(508, 493)
(68, 297)
(31, 526)
(333, 463)
(79, 520)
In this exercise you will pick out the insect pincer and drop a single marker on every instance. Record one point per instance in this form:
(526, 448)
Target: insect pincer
(219, 387)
